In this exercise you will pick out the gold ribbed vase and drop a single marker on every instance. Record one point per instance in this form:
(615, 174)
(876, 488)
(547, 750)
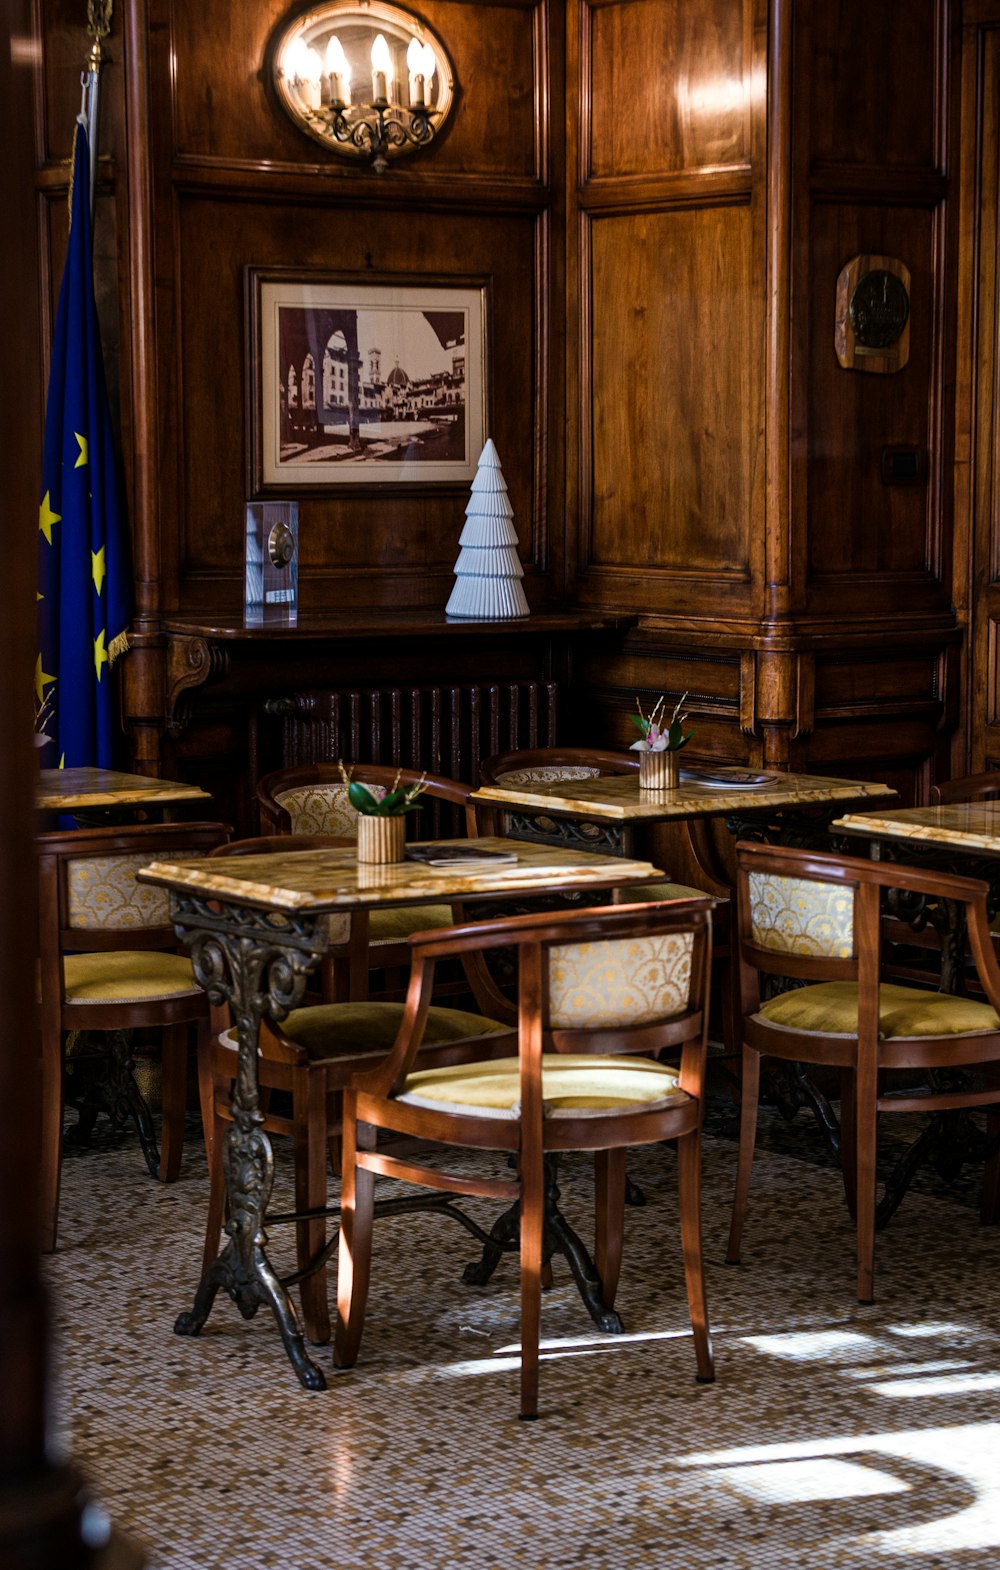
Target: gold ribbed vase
(659, 770)
(380, 839)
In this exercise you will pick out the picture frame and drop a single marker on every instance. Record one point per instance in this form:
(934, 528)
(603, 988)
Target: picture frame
(364, 380)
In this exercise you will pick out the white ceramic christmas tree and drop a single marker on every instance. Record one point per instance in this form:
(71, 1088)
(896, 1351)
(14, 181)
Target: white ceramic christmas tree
(488, 571)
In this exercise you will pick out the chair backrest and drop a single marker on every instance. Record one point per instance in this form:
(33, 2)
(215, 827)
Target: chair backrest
(90, 896)
(620, 979)
(529, 765)
(312, 797)
(814, 916)
(971, 787)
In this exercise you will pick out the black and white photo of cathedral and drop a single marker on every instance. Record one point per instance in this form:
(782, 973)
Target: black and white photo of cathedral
(385, 384)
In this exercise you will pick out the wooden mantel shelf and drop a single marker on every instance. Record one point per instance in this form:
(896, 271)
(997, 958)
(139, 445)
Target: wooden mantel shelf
(208, 648)
(383, 624)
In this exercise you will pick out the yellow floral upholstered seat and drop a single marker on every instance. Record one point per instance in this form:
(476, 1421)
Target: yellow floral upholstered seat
(832, 1007)
(312, 1055)
(819, 922)
(632, 979)
(801, 915)
(619, 982)
(109, 965)
(545, 772)
(572, 1083)
(329, 1031)
(322, 807)
(131, 977)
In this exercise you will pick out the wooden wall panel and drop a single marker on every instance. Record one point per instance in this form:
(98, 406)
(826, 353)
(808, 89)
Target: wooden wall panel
(669, 86)
(856, 524)
(873, 74)
(226, 109)
(671, 400)
(403, 542)
(978, 478)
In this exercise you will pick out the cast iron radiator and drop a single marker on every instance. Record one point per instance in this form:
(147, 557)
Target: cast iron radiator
(443, 730)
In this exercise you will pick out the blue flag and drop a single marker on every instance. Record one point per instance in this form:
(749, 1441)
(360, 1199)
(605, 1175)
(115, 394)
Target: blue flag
(84, 574)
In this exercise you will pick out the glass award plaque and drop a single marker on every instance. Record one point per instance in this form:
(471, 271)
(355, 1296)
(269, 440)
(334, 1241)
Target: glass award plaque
(271, 597)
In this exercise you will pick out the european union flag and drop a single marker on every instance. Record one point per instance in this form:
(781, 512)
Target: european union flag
(84, 576)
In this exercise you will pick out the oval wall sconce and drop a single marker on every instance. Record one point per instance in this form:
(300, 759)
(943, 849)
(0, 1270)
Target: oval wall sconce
(366, 79)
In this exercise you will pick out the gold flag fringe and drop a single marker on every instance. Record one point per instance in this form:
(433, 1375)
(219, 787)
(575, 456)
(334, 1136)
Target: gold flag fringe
(72, 171)
(118, 645)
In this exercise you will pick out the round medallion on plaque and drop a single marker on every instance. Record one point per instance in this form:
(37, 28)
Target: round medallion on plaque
(879, 309)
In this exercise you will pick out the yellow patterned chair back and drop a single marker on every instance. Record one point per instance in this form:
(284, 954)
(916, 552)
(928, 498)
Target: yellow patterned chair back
(323, 809)
(102, 891)
(801, 915)
(619, 982)
(547, 771)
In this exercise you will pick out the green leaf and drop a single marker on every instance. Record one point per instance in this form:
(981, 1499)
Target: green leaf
(676, 738)
(361, 798)
(641, 725)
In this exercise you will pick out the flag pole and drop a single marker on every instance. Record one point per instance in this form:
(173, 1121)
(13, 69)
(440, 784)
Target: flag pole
(98, 28)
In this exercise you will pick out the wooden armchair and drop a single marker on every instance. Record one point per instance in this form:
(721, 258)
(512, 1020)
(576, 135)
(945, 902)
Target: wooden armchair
(573, 763)
(109, 962)
(817, 919)
(971, 787)
(311, 799)
(595, 987)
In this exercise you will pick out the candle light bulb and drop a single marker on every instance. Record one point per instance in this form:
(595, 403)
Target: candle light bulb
(310, 72)
(429, 67)
(381, 67)
(415, 66)
(338, 66)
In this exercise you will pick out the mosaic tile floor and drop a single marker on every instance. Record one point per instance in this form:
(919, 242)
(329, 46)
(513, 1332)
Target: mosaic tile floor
(836, 1437)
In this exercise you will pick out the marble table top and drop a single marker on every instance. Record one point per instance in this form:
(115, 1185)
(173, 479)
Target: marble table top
(619, 796)
(320, 880)
(966, 825)
(65, 790)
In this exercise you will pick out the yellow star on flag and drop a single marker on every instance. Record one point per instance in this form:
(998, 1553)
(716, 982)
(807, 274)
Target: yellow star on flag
(46, 518)
(83, 458)
(97, 557)
(41, 680)
(100, 653)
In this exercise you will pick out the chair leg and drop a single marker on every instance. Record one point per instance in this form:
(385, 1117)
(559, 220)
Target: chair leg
(689, 1195)
(532, 1231)
(748, 1138)
(215, 1150)
(357, 1211)
(866, 1124)
(848, 1141)
(173, 1059)
(309, 1143)
(206, 1089)
(609, 1174)
(989, 1203)
(53, 1093)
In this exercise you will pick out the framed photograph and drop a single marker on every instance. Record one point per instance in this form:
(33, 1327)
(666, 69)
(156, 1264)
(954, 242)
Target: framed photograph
(357, 382)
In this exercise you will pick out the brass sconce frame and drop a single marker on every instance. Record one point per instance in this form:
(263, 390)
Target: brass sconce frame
(364, 78)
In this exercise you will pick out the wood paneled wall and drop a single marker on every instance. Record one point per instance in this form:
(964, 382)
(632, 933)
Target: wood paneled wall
(977, 473)
(725, 476)
(661, 259)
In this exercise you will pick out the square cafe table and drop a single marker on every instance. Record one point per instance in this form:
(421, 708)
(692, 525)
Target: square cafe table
(601, 812)
(962, 837)
(103, 790)
(256, 926)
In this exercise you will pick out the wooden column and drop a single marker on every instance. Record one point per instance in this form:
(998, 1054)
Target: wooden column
(42, 1504)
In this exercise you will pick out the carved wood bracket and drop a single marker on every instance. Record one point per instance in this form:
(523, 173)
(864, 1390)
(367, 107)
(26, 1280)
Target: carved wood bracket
(191, 662)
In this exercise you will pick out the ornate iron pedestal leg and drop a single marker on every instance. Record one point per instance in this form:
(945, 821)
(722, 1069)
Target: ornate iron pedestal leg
(111, 1088)
(558, 1238)
(257, 962)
